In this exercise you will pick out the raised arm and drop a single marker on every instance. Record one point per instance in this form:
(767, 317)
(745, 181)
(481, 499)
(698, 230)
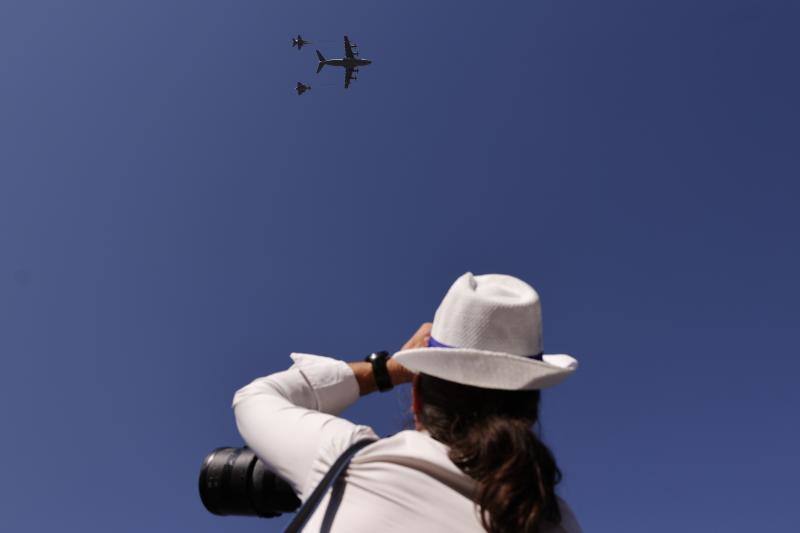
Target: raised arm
(288, 418)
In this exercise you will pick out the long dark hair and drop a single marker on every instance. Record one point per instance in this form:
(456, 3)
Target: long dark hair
(490, 436)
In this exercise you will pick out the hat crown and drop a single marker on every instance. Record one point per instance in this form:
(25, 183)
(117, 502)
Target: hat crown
(492, 312)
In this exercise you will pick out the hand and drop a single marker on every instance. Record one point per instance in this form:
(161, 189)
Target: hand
(420, 338)
(398, 372)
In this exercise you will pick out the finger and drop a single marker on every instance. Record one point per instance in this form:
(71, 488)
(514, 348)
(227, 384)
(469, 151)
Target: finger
(424, 330)
(420, 338)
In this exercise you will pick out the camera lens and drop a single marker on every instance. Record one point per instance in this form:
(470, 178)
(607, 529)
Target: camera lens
(233, 481)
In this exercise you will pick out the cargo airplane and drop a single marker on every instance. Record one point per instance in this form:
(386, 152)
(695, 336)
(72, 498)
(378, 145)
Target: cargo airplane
(350, 62)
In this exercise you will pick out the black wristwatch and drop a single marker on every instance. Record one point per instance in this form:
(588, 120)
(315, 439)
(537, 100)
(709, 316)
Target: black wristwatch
(379, 370)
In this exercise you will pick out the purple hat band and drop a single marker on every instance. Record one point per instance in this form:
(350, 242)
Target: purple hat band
(433, 343)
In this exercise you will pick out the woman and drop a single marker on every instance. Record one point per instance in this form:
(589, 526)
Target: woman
(472, 463)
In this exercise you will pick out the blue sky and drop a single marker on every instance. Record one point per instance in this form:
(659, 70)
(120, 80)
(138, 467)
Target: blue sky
(174, 221)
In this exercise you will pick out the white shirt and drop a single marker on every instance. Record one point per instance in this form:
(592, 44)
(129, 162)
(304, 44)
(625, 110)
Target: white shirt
(405, 482)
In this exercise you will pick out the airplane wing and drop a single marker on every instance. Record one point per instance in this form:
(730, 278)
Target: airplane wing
(348, 75)
(348, 48)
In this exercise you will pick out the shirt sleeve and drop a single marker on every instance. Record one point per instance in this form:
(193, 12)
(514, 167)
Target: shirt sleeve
(288, 418)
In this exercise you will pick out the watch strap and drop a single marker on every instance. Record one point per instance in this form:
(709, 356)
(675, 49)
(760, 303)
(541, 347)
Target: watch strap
(379, 371)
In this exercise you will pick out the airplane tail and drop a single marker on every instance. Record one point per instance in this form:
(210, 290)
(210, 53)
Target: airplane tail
(321, 61)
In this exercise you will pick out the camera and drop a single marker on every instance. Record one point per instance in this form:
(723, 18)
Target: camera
(234, 481)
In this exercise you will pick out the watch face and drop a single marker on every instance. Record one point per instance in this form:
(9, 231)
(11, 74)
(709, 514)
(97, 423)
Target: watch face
(376, 355)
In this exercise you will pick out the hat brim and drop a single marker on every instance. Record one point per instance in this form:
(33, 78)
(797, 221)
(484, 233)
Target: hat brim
(488, 370)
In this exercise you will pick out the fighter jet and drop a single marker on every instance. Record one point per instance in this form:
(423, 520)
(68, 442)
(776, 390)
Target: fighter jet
(301, 88)
(299, 42)
(350, 62)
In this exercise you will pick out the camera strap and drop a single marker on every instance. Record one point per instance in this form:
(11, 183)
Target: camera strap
(336, 471)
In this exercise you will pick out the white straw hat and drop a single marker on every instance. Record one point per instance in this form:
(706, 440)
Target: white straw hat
(487, 333)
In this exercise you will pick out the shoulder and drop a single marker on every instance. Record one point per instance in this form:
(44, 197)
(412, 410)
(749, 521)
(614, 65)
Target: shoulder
(338, 442)
(417, 451)
(330, 449)
(408, 443)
